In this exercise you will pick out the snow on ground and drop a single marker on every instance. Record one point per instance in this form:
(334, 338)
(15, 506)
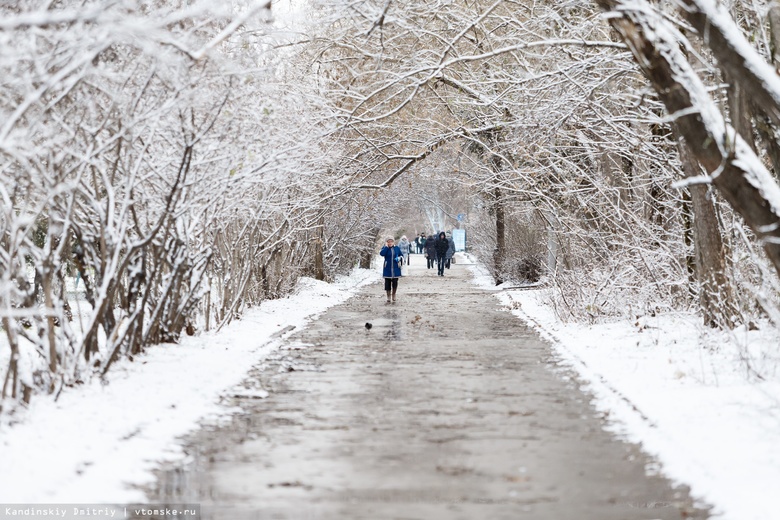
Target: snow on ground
(681, 390)
(98, 441)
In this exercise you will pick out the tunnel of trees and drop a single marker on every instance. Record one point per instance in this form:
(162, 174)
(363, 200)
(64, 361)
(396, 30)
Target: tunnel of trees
(167, 164)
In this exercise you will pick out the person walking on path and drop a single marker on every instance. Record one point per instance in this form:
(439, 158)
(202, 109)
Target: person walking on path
(450, 250)
(430, 250)
(391, 270)
(406, 248)
(441, 246)
(419, 242)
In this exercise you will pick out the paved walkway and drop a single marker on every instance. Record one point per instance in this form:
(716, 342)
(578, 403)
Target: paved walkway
(447, 408)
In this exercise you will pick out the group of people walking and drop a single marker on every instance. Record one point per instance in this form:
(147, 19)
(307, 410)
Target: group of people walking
(438, 251)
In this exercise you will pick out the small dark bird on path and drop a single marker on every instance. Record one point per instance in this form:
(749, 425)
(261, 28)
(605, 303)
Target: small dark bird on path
(368, 326)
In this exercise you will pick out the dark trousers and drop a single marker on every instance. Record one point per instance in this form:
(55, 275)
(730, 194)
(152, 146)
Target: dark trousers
(441, 261)
(391, 283)
(430, 262)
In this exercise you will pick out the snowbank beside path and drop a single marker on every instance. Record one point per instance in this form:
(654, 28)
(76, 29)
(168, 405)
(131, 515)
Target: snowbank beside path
(97, 441)
(684, 392)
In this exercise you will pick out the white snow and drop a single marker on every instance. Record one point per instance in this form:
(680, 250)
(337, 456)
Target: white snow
(97, 442)
(681, 390)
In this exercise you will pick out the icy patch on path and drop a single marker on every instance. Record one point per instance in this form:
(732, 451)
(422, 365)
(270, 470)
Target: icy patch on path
(97, 441)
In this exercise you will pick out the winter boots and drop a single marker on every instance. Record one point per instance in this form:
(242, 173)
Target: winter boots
(388, 296)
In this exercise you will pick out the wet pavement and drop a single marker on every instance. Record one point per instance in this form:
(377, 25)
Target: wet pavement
(448, 408)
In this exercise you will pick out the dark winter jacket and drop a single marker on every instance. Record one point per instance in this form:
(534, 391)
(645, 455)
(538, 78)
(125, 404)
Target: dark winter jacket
(451, 249)
(442, 246)
(393, 261)
(430, 247)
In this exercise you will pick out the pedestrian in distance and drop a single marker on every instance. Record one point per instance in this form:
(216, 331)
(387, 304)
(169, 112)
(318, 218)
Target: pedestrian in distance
(430, 251)
(450, 251)
(406, 248)
(441, 245)
(420, 242)
(391, 270)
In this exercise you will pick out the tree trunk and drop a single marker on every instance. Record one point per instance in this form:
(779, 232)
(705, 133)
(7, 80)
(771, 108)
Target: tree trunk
(319, 265)
(715, 295)
(207, 305)
(12, 375)
(739, 110)
(769, 138)
(553, 247)
(774, 33)
(49, 306)
(13, 364)
(689, 241)
(365, 259)
(368, 255)
(766, 131)
(500, 251)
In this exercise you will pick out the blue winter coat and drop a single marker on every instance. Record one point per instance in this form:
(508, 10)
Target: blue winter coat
(393, 259)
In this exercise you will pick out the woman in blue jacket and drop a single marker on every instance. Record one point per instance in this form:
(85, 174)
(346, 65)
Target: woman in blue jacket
(392, 267)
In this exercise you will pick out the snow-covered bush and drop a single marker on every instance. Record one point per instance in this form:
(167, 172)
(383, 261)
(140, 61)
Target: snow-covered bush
(157, 176)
